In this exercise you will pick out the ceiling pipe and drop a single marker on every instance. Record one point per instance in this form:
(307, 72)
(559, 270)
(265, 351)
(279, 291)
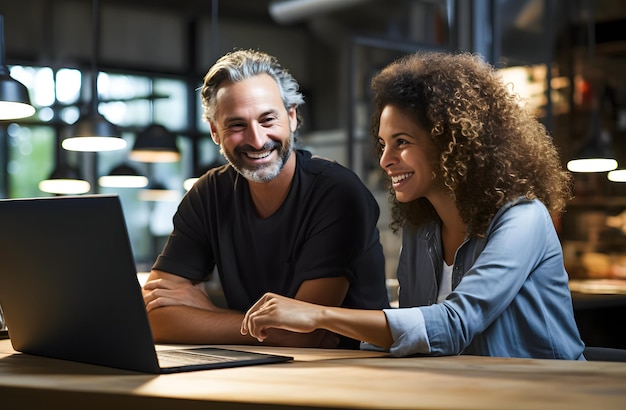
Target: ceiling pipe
(291, 11)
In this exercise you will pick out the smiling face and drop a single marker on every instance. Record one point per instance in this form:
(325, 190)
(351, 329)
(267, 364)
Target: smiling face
(407, 156)
(253, 128)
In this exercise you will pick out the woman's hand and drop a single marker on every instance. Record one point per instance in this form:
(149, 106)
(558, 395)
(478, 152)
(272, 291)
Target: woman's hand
(279, 312)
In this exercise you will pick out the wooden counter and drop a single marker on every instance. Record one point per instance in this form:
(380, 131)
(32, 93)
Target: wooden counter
(600, 311)
(319, 379)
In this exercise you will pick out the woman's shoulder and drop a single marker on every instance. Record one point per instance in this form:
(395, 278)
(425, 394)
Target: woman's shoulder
(524, 214)
(524, 207)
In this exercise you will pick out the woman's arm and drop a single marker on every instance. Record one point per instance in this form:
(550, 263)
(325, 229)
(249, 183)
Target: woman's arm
(278, 312)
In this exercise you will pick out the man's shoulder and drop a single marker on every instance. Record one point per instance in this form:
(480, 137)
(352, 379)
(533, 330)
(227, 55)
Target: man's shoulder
(318, 165)
(218, 179)
(333, 183)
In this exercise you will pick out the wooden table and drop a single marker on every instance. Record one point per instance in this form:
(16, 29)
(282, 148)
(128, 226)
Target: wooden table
(316, 379)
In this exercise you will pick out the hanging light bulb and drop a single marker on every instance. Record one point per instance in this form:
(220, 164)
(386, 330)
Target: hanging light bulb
(155, 144)
(64, 180)
(618, 175)
(157, 192)
(597, 154)
(14, 98)
(93, 132)
(123, 176)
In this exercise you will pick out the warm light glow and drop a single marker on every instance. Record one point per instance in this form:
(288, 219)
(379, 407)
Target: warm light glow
(529, 82)
(619, 175)
(188, 183)
(592, 165)
(154, 156)
(159, 195)
(89, 144)
(123, 181)
(12, 110)
(64, 186)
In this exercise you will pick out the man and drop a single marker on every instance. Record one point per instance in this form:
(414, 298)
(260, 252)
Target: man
(272, 219)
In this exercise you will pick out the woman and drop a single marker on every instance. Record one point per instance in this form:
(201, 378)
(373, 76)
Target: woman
(474, 181)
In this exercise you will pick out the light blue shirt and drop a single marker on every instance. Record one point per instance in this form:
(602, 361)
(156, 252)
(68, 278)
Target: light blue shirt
(510, 295)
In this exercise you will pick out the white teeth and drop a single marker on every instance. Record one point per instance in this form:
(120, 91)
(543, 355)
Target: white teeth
(397, 178)
(258, 155)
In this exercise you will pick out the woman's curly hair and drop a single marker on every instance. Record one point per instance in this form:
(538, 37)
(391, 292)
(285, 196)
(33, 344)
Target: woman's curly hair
(491, 150)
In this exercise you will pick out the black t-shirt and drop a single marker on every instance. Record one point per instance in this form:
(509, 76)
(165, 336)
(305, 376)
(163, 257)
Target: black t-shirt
(326, 227)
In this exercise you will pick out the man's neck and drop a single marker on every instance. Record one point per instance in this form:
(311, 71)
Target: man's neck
(267, 197)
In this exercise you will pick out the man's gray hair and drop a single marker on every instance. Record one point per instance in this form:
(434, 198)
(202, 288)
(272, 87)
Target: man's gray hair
(242, 64)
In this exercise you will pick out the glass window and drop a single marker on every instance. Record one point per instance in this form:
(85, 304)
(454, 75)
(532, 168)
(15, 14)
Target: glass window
(202, 124)
(39, 82)
(31, 158)
(170, 104)
(68, 86)
(131, 102)
(122, 99)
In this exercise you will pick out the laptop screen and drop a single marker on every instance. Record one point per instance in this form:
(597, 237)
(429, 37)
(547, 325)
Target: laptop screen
(69, 289)
(68, 283)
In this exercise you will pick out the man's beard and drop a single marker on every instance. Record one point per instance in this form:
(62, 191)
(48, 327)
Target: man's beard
(264, 172)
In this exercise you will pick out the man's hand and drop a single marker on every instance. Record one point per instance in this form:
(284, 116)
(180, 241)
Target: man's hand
(166, 291)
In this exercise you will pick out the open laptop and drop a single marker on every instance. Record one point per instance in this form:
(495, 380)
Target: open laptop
(69, 289)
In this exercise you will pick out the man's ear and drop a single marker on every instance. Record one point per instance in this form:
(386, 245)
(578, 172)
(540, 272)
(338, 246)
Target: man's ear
(214, 136)
(293, 119)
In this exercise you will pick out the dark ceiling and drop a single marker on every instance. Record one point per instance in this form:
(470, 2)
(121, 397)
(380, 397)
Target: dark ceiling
(356, 15)
(253, 10)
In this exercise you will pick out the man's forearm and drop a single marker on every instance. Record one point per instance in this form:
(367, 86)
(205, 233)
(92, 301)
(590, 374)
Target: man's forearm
(187, 325)
(184, 324)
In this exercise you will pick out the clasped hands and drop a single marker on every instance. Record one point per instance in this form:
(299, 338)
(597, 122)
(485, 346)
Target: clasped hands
(165, 292)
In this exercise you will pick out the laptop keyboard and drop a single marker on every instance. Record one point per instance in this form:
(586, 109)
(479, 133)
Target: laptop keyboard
(187, 357)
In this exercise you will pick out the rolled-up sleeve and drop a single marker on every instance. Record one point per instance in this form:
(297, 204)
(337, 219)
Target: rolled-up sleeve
(408, 331)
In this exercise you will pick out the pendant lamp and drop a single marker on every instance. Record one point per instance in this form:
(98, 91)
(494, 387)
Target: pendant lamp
(198, 172)
(64, 180)
(157, 192)
(123, 176)
(597, 154)
(14, 98)
(93, 132)
(618, 175)
(155, 144)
